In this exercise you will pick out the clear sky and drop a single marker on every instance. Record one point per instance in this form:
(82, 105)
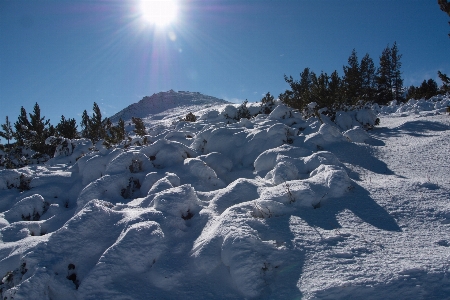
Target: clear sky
(66, 55)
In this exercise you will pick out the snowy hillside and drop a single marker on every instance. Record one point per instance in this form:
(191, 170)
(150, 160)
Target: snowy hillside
(272, 207)
(163, 104)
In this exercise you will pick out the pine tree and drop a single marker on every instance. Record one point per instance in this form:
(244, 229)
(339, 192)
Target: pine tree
(367, 69)
(268, 99)
(335, 91)
(121, 133)
(445, 7)
(96, 127)
(113, 134)
(389, 80)
(427, 89)
(8, 132)
(300, 94)
(22, 128)
(67, 128)
(40, 129)
(384, 77)
(397, 81)
(319, 90)
(352, 79)
(139, 127)
(445, 88)
(85, 125)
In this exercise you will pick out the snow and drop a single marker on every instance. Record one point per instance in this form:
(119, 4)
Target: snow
(271, 207)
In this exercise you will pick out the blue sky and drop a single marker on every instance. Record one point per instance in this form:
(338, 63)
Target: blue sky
(66, 55)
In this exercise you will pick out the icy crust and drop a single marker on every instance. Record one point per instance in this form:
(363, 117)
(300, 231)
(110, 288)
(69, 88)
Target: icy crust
(215, 207)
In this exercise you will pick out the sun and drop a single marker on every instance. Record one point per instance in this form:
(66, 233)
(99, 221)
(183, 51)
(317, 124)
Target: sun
(159, 12)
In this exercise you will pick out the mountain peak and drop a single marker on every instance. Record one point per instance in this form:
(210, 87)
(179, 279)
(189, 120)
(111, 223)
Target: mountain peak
(162, 101)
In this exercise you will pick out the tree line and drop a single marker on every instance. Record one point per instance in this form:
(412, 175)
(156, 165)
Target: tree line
(361, 83)
(31, 130)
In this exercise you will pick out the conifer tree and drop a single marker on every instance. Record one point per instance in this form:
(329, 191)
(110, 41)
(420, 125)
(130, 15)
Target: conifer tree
(397, 81)
(352, 79)
(427, 89)
(445, 7)
(389, 81)
(22, 128)
(445, 88)
(85, 125)
(40, 129)
(113, 135)
(335, 90)
(67, 128)
(121, 133)
(7, 131)
(367, 69)
(139, 127)
(319, 89)
(96, 127)
(300, 94)
(267, 103)
(384, 77)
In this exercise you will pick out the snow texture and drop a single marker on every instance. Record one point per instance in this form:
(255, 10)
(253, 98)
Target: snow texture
(271, 207)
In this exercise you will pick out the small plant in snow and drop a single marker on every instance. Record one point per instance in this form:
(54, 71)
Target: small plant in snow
(260, 212)
(242, 111)
(288, 192)
(24, 183)
(288, 139)
(133, 185)
(136, 166)
(190, 117)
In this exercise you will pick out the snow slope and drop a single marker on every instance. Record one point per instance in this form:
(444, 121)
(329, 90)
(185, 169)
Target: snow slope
(164, 104)
(275, 207)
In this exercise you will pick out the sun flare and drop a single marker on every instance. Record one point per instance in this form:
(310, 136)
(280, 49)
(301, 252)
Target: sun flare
(159, 12)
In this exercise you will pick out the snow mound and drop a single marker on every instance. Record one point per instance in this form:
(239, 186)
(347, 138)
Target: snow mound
(230, 208)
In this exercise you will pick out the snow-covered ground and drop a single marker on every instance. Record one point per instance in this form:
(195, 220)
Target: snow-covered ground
(275, 207)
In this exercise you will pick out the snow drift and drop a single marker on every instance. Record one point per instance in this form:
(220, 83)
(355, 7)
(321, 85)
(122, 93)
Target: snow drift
(271, 207)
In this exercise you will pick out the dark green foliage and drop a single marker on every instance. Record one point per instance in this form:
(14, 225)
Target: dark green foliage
(427, 89)
(268, 99)
(362, 83)
(397, 81)
(190, 117)
(97, 131)
(368, 85)
(336, 92)
(389, 81)
(139, 127)
(132, 188)
(22, 127)
(85, 125)
(7, 131)
(93, 127)
(300, 93)
(445, 7)
(33, 133)
(267, 103)
(67, 128)
(113, 134)
(445, 88)
(352, 80)
(242, 111)
(320, 89)
(384, 78)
